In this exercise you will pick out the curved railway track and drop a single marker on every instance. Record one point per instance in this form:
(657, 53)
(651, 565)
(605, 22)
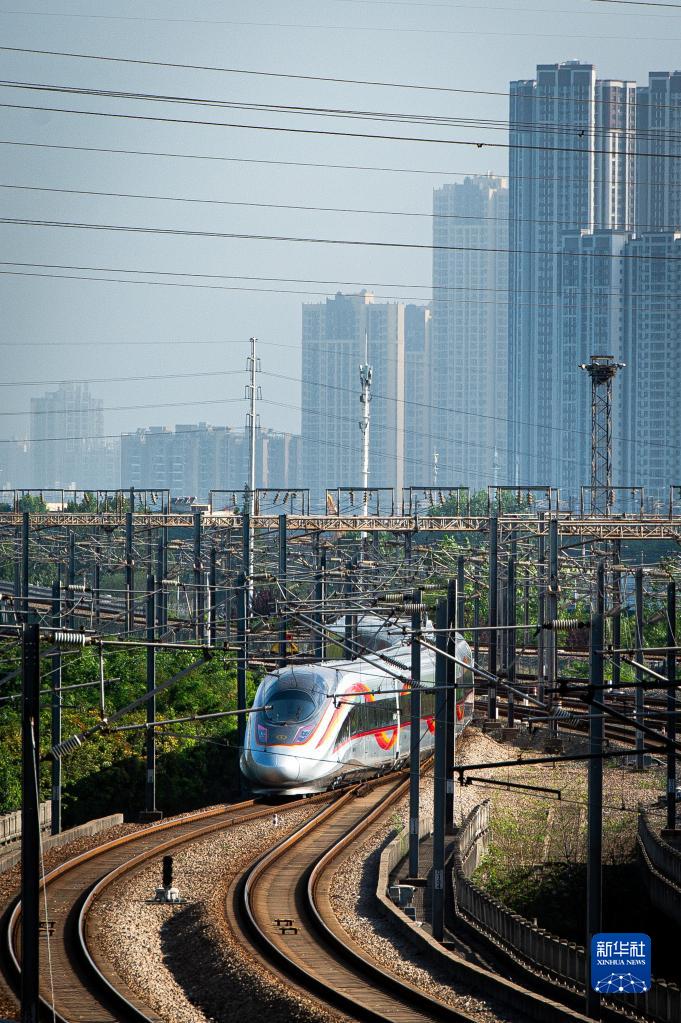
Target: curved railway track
(85, 987)
(283, 903)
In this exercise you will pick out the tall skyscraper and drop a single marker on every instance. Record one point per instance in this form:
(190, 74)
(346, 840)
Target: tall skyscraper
(551, 181)
(417, 368)
(334, 334)
(572, 169)
(658, 144)
(470, 331)
(66, 428)
(615, 156)
(652, 379)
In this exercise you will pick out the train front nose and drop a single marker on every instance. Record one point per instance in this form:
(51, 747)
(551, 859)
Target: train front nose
(274, 768)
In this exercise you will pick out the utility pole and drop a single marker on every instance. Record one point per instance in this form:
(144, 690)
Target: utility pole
(415, 736)
(492, 618)
(150, 811)
(283, 622)
(595, 790)
(602, 369)
(671, 708)
(55, 716)
(440, 772)
(365, 374)
(30, 824)
(253, 394)
(639, 697)
(453, 620)
(199, 602)
(25, 535)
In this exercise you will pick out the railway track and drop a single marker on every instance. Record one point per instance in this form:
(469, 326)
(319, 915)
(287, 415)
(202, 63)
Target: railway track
(282, 902)
(614, 730)
(81, 985)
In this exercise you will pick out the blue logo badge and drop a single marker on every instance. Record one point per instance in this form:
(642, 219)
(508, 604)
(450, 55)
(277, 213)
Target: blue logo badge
(620, 964)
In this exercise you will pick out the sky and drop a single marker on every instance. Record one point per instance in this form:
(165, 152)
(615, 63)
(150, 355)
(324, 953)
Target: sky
(182, 289)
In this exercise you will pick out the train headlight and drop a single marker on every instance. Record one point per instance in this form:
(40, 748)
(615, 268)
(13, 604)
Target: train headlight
(262, 734)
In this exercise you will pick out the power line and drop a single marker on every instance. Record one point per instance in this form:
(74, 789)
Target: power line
(399, 116)
(511, 146)
(637, 3)
(435, 216)
(121, 380)
(363, 28)
(307, 292)
(125, 408)
(137, 342)
(316, 165)
(245, 236)
(455, 289)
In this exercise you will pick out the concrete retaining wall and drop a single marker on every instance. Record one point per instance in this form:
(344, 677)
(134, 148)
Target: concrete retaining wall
(530, 1006)
(10, 859)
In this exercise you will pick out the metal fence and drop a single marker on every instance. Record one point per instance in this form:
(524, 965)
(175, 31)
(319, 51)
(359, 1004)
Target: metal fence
(10, 823)
(540, 951)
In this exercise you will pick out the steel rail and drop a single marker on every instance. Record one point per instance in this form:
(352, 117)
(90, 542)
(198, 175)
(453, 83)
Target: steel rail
(76, 947)
(319, 961)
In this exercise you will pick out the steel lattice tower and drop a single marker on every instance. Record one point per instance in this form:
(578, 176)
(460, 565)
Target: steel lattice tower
(602, 370)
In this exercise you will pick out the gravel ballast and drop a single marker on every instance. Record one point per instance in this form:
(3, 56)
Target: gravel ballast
(184, 962)
(353, 898)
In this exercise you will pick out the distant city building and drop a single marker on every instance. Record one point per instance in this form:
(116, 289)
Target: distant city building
(551, 181)
(66, 440)
(572, 173)
(333, 348)
(652, 379)
(15, 465)
(418, 354)
(658, 144)
(195, 458)
(469, 348)
(615, 156)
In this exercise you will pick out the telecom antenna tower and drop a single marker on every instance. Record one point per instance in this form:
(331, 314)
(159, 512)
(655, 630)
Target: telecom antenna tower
(365, 373)
(602, 369)
(253, 394)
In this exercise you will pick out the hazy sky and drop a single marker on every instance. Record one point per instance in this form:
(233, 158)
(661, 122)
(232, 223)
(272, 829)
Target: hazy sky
(453, 45)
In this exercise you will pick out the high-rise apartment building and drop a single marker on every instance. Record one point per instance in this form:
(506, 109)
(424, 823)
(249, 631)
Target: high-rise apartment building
(334, 336)
(615, 155)
(469, 348)
(572, 169)
(551, 182)
(594, 244)
(652, 379)
(66, 435)
(658, 145)
(418, 455)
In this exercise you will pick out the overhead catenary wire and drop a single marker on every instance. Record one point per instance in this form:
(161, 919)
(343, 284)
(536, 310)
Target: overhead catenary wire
(442, 293)
(312, 240)
(577, 131)
(368, 168)
(432, 215)
(353, 28)
(551, 127)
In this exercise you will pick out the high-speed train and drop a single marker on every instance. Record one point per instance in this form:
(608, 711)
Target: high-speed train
(323, 723)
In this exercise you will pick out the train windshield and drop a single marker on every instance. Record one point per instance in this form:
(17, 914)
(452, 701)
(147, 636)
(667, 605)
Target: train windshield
(286, 706)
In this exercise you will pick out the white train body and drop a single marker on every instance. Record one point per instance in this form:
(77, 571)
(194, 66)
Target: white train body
(323, 723)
